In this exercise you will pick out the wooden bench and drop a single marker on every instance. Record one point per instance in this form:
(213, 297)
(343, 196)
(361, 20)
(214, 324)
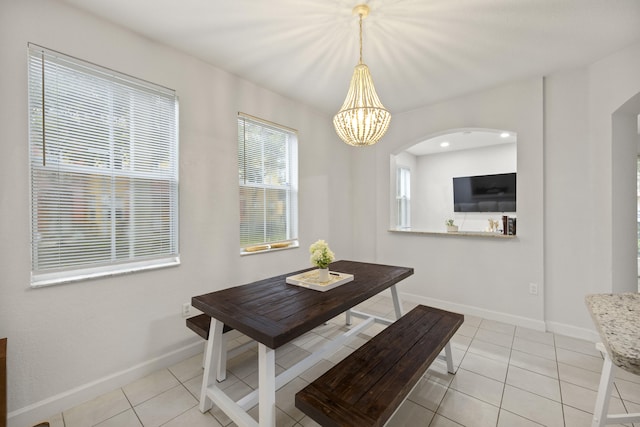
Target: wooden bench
(200, 325)
(367, 387)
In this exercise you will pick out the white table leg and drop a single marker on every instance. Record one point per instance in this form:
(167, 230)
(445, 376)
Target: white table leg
(396, 302)
(449, 355)
(604, 390)
(267, 386)
(211, 355)
(221, 365)
(348, 318)
(601, 416)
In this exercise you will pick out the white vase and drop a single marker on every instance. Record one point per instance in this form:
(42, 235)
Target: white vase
(323, 274)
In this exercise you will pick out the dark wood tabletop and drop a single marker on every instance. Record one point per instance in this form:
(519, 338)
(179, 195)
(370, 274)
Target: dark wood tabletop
(273, 312)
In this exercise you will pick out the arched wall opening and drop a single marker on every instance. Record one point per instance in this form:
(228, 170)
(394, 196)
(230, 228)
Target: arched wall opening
(422, 176)
(625, 142)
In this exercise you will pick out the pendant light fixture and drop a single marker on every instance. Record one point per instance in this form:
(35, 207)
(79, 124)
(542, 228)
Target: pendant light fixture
(362, 120)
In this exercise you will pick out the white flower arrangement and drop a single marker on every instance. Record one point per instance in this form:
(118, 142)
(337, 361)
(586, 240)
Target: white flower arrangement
(321, 255)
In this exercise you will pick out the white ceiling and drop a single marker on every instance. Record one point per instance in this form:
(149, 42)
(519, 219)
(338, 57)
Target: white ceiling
(418, 51)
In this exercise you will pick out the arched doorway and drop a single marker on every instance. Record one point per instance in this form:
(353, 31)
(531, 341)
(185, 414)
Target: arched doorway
(626, 144)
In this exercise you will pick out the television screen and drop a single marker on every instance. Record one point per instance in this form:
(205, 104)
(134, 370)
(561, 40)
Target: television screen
(485, 193)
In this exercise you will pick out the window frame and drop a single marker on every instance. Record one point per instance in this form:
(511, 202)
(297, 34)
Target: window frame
(403, 197)
(44, 167)
(290, 188)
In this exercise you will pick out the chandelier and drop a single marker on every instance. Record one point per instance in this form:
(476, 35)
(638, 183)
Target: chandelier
(362, 120)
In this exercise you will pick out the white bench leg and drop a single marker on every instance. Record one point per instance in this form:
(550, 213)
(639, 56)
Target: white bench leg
(211, 356)
(348, 317)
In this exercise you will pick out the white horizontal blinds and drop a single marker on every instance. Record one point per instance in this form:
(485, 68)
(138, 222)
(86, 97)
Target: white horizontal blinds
(403, 197)
(104, 169)
(267, 169)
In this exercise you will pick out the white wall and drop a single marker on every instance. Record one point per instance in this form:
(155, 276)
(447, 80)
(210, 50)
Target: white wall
(589, 249)
(587, 227)
(613, 81)
(569, 198)
(576, 216)
(434, 174)
(70, 342)
(489, 277)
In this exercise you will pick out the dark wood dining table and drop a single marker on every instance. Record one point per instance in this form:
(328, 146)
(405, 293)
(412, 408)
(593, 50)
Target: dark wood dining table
(274, 313)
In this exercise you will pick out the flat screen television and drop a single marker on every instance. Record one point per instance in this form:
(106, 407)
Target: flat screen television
(485, 193)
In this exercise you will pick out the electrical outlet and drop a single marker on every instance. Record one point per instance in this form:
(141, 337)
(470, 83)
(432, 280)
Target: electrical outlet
(533, 289)
(186, 309)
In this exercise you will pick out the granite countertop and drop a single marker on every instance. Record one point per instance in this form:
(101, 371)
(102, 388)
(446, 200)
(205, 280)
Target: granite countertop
(456, 233)
(617, 318)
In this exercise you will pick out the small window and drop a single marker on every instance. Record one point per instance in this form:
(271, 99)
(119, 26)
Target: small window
(403, 197)
(268, 176)
(104, 171)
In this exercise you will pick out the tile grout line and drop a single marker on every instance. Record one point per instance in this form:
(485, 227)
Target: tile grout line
(506, 375)
(555, 350)
(449, 384)
(183, 412)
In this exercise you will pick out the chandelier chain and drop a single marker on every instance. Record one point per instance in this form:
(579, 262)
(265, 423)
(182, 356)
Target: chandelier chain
(360, 38)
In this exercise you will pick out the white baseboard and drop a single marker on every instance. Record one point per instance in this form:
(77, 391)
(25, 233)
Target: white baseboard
(573, 331)
(525, 322)
(39, 411)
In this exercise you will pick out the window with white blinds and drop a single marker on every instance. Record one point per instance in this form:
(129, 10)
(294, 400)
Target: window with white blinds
(104, 171)
(403, 197)
(267, 170)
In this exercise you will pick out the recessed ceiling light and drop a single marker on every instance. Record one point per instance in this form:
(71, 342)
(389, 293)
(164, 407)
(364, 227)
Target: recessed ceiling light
(444, 144)
(504, 135)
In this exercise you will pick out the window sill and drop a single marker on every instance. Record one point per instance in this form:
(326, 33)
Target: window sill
(42, 280)
(261, 249)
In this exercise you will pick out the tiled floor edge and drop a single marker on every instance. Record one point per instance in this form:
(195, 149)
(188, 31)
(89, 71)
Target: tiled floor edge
(36, 412)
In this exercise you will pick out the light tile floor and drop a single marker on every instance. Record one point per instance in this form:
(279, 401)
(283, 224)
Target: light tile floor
(507, 376)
